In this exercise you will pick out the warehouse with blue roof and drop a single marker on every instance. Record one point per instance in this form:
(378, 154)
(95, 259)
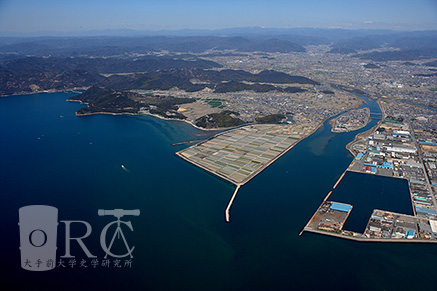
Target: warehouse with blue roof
(341, 207)
(425, 210)
(359, 156)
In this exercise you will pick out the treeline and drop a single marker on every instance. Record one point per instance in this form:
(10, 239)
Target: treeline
(223, 119)
(270, 119)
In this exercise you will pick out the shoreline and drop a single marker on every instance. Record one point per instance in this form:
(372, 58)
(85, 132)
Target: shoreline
(46, 91)
(366, 240)
(364, 237)
(248, 178)
(112, 113)
(151, 114)
(281, 154)
(253, 175)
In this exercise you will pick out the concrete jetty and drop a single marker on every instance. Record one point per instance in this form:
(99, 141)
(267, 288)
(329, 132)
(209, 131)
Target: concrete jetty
(185, 142)
(339, 180)
(327, 196)
(227, 215)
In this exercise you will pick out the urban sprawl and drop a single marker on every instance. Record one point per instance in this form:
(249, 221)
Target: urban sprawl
(403, 145)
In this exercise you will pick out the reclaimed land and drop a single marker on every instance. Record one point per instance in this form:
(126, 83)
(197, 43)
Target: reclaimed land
(240, 154)
(382, 226)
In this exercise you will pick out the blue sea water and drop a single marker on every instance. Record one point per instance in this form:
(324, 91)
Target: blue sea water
(51, 157)
(375, 192)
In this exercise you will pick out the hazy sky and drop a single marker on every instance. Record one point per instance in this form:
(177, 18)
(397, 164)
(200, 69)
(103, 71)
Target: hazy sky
(82, 15)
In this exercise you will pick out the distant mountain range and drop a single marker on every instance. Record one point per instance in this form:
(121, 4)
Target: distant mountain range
(124, 46)
(403, 41)
(407, 45)
(32, 64)
(236, 31)
(110, 66)
(125, 43)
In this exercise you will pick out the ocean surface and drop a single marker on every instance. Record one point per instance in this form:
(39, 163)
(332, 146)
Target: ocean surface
(51, 157)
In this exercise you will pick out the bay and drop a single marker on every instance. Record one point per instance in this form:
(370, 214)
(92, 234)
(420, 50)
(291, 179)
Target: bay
(51, 157)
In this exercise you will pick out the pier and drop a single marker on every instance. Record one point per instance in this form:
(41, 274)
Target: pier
(227, 215)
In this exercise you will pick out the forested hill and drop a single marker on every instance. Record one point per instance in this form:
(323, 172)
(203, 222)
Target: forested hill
(36, 74)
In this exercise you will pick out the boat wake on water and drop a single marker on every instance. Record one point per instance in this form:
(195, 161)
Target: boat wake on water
(125, 169)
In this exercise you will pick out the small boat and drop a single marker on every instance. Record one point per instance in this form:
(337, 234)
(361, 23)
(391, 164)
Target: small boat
(125, 169)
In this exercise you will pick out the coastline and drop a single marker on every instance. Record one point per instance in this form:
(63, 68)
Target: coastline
(320, 216)
(281, 154)
(229, 178)
(259, 170)
(365, 239)
(150, 114)
(46, 91)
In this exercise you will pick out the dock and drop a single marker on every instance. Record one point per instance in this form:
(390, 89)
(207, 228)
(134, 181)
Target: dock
(383, 226)
(386, 226)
